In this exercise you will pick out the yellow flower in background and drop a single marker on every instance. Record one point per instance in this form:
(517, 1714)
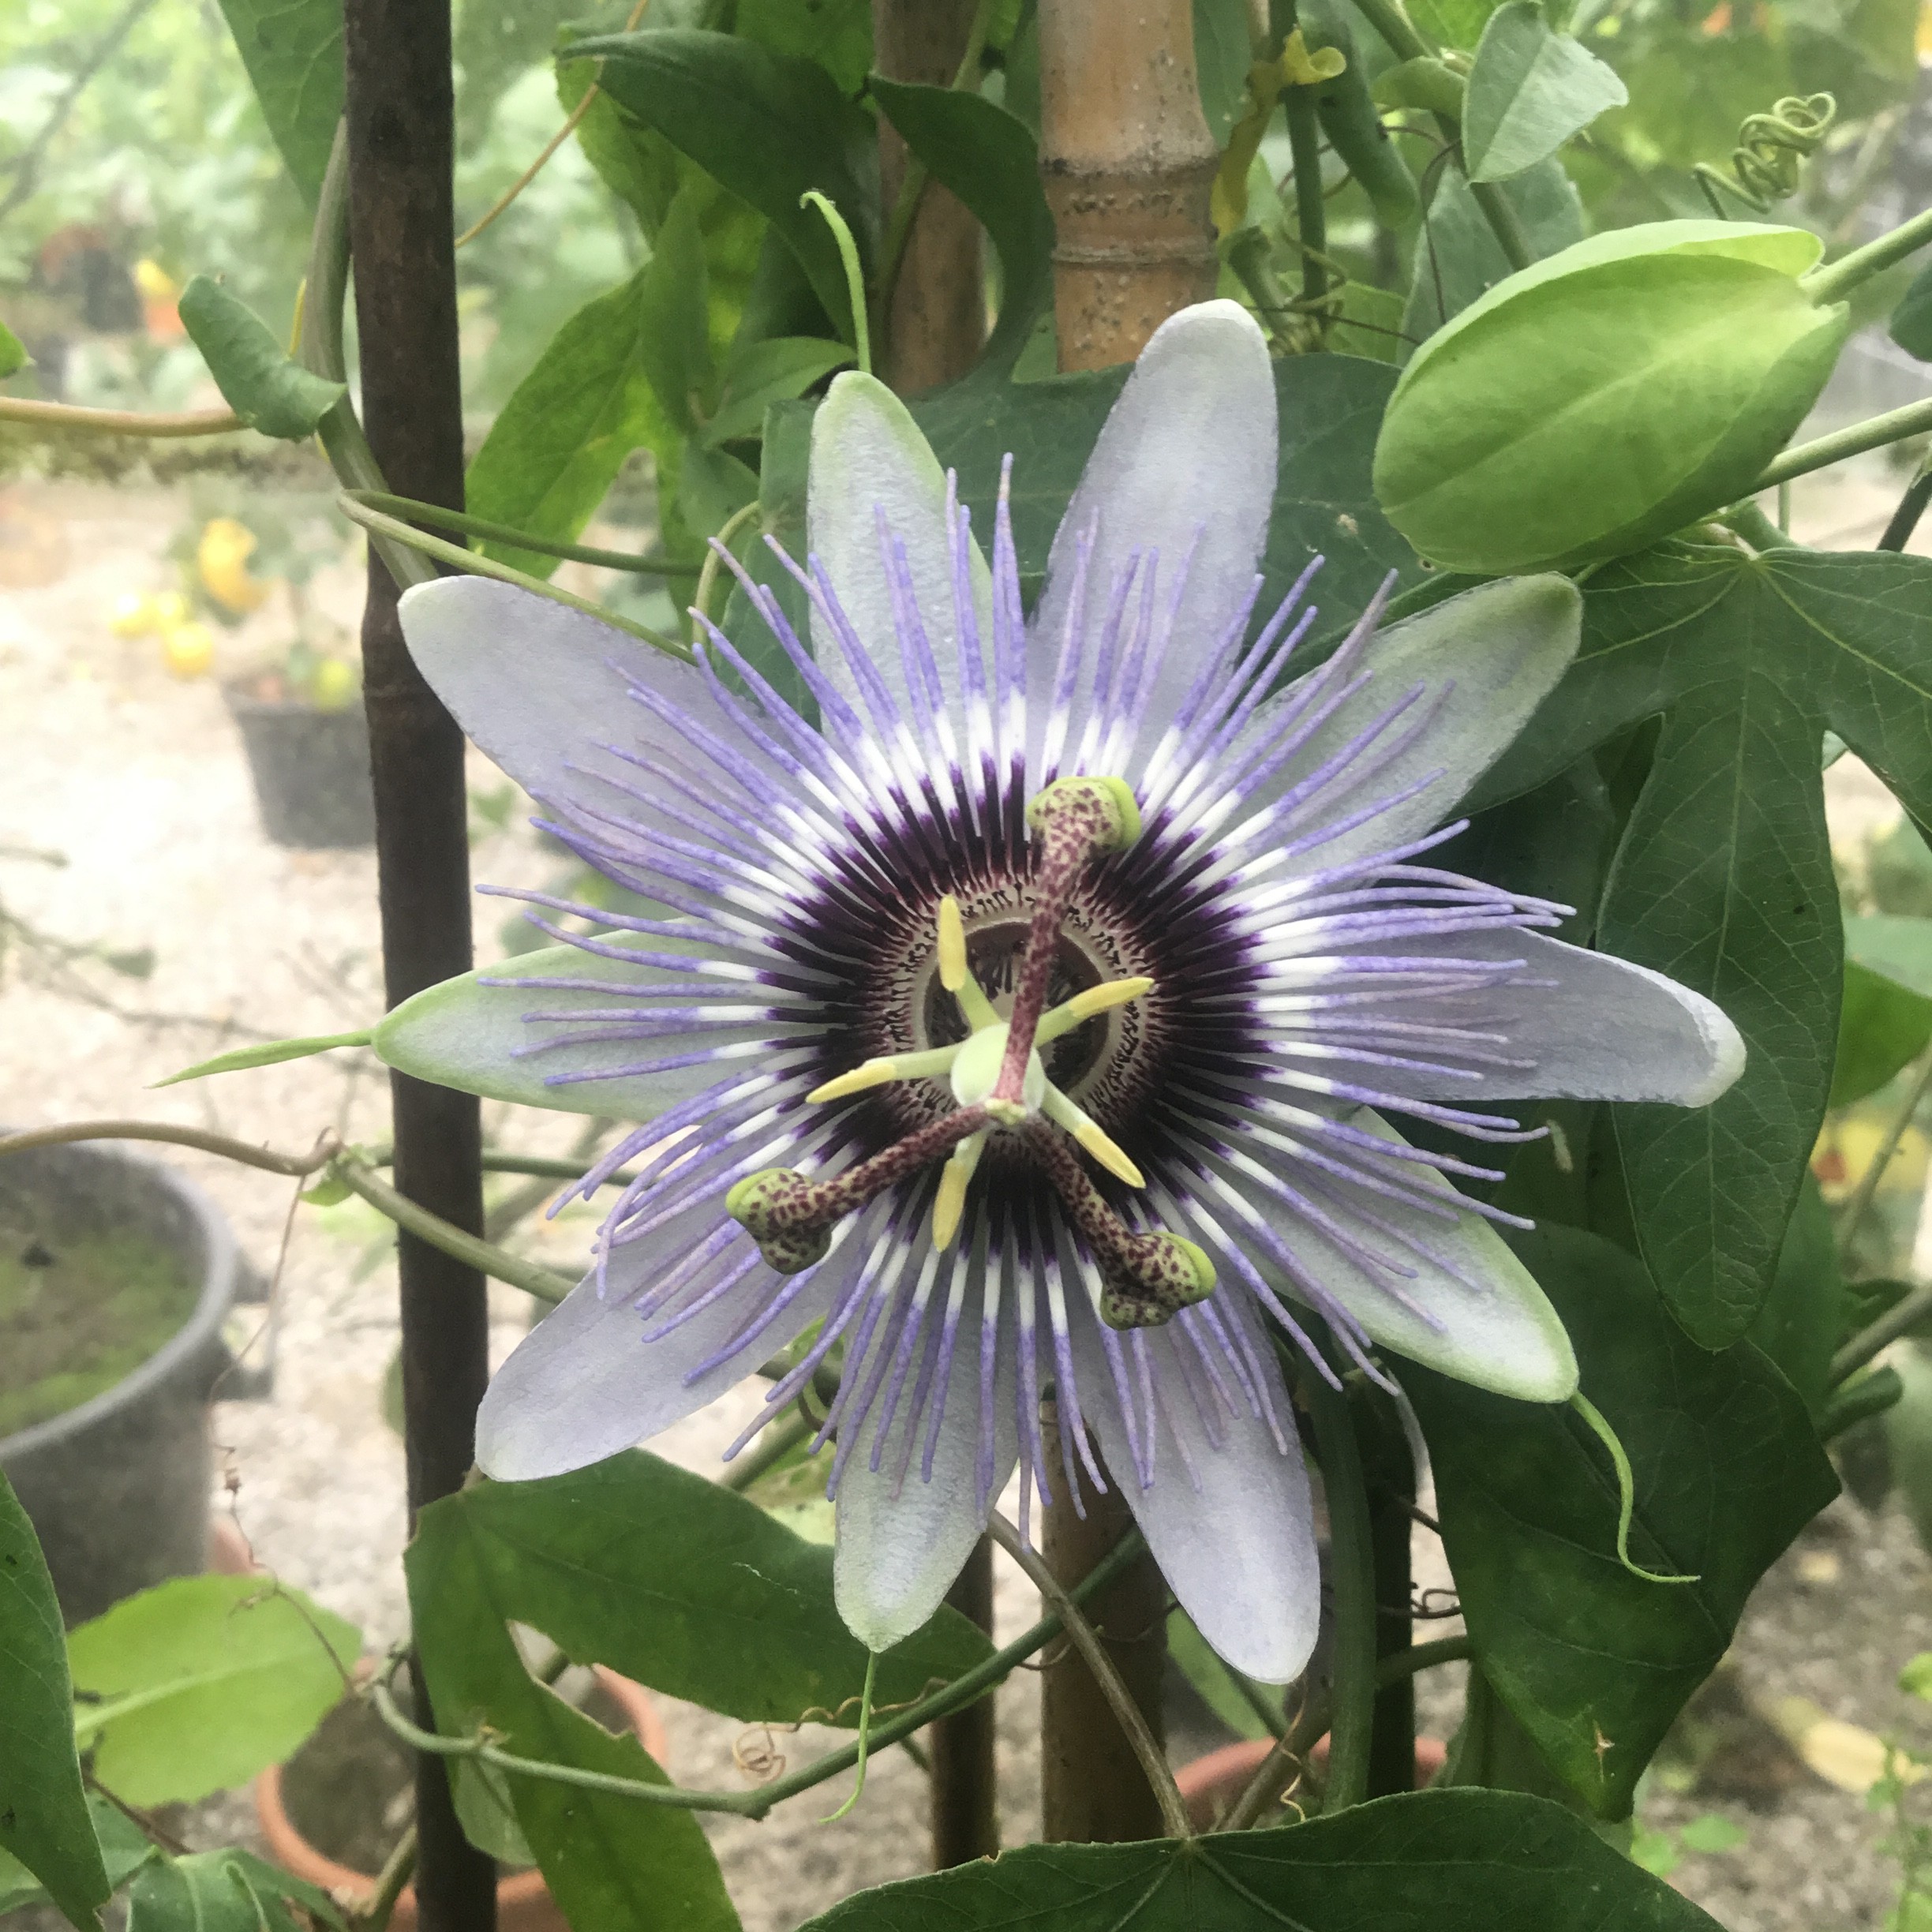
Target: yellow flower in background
(155, 282)
(146, 613)
(188, 651)
(222, 557)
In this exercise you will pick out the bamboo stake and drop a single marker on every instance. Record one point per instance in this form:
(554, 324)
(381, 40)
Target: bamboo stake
(401, 219)
(1127, 163)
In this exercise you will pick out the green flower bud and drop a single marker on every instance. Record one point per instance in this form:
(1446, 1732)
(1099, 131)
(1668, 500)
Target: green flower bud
(1606, 397)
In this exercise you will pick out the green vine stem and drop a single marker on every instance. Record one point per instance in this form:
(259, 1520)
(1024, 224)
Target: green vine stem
(1132, 1721)
(225, 1145)
(1351, 1580)
(468, 526)
(1833, 279)
(759, 1802)
(1311, 208)
(375, 1914)
(116, 422)
(1873, 433)
(1857, 1207)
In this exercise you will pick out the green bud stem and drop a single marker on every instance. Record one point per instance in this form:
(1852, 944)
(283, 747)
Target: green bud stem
(468, 525)
(1873, 433)
(1831, 280)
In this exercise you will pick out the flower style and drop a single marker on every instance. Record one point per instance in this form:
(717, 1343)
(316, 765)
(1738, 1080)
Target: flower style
(1031, 1001)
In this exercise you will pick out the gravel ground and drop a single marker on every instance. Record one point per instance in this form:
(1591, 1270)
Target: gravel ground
(137, 781)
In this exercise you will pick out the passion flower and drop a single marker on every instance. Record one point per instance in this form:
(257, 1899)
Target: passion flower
(1025, 1022)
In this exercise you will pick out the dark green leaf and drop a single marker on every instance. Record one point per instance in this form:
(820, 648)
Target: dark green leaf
(609, 1861)
(712, 487)
(14, 355)
(837, 34)
(292, 50)
(672, 330)
(1594, 1661)
(124, 1849)
(1530, 89)
(260, 381)
(225, 1891)
(43, 1816)
(1214, 1683)
(1911, 326)
(1882, 1026)
(767, 125)
(197, 1684)
(777, 368)
(1329, 406)
(989, 159)
(1455, 22)
(1221, 56)
(1458, 257)
(1752, 656)
(557, 444)
(1438, 1859)
(638, 166)
(1803, 1318)
(680, 1583)
(267, 1053)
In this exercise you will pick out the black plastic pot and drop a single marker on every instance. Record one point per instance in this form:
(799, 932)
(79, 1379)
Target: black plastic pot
(118, 1487)
(311, 769)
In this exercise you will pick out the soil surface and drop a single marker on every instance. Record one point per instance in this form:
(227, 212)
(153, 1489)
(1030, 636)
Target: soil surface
(126, 823)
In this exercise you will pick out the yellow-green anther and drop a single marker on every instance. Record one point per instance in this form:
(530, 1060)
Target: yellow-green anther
(954, 974)
(927, 1066)
(1084, 1006)
(1092, 1136)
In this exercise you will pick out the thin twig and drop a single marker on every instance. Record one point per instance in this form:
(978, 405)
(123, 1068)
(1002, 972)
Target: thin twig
(1093, 1652)
(1903, 1315)
(1861, 1201)
(117, 422)
(555, 141)
(266, 1158)
(374, 1913)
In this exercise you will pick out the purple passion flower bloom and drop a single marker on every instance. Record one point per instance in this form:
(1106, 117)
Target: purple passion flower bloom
(1030, 1016)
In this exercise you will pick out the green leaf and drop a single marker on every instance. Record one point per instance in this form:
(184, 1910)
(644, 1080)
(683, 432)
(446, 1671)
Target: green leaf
(1747, 657)
(1530, 89)
(1213, 1681)
(837, 34)
(1803, 1320)
(259, 380)
(777, 370)
(556, 446)
(124, 1849)
(680, 1583)
(1595, 1662)
(673, 331)
(1437, 1859)
(989, 159)
(226, 1890)
(292, 50)
(1911, 326)
(43, 1816)
(1328, 405)
(768, 126)
(1370, 323)
(1894, 945)
(14, 355)
(1713, 1832)
(1454, 23)
(197, 1684)
(1882, 1026)
(267, 1053)
(784, 462)
(712, 487)
(1915, 1678)
(1221, 56)
(609, 1861)
(1458, 259)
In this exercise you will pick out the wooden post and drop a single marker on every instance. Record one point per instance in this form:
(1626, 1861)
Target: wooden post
(400, 230)
(937, 320)
(1127, 162)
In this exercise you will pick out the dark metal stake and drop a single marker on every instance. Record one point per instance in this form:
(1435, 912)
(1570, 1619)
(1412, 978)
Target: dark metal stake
(400, 226)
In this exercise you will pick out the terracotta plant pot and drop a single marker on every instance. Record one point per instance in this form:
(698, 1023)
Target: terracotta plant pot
(1211, 1784)
(523, 1900)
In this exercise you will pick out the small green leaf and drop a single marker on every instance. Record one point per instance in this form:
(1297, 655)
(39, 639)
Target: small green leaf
(1882, 1026)
(1713, 1832)
(292, 50)
(989, 159)
(262, 384)
(1462, 1858)
(14, 355)
(767, 126)
(1911, 326)
(775, 370)
(330, 1193)
(124, 1848)
(1594, 1662)
(1530, 89)
(197, 1684)
(557, 444)
(43, 1815)
(226, 1890)
(267, 1053)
